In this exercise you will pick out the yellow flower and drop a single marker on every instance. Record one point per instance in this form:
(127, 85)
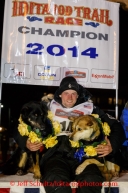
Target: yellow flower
(50, 115)
(95, 115)
(90, 151)
(74, 143)
(106, 128)
(50, 141)
(56, 126)
(33, 137)
(23, 129)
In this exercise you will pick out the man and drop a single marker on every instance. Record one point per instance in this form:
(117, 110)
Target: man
(58, 166)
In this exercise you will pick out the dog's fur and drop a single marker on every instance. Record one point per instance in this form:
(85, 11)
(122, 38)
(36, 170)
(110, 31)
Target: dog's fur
(48, 98)
(81, 126)
(84, 127)
(33, 114)
(108, 169)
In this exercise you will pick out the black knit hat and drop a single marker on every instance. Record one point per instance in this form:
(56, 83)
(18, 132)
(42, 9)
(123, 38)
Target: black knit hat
(68, 83)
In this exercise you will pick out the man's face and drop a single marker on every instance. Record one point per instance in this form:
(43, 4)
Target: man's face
(69, 98)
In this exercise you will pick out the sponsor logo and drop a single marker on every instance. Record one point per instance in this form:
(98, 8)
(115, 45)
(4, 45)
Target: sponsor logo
(97, 76)
(64, 114)
(46, 74)
(75, 74)
(16, 73)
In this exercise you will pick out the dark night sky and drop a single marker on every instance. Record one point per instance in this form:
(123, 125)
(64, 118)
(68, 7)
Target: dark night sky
(14, 96)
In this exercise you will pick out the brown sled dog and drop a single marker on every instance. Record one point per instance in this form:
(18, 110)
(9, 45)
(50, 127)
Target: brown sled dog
(87, 128)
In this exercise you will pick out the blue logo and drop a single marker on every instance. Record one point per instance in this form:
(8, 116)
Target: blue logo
(33, 18)
(93, 24)
(46, 67)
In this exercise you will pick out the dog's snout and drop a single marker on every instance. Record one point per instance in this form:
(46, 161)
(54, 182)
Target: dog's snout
(44, 133)
(42, 127)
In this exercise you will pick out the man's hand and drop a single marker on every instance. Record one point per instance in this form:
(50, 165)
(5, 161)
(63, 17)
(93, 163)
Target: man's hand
(104, 150)
(33, 146)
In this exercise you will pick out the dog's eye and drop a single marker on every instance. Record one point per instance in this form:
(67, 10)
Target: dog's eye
(36, 115)
(79, 129)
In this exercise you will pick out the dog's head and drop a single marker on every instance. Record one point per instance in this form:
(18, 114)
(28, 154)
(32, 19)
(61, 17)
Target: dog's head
(35, 114)
(84, 127)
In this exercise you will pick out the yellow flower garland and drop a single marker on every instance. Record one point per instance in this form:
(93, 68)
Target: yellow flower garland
(50, 141)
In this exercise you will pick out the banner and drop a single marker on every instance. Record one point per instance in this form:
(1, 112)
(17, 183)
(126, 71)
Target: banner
(46, 40)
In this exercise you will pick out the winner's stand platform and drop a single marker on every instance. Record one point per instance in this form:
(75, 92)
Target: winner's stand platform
(26, 184)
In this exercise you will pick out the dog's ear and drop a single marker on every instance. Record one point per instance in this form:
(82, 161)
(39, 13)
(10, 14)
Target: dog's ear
(75, 121)
(44, 107)
(90, 123)
(72, 119)
(25, 112)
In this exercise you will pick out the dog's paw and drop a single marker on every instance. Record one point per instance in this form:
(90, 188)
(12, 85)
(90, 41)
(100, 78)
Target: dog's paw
(37, 176)
(115, 174)
(30, 170)
(20, 172)
(79, 169)
(36, 171)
